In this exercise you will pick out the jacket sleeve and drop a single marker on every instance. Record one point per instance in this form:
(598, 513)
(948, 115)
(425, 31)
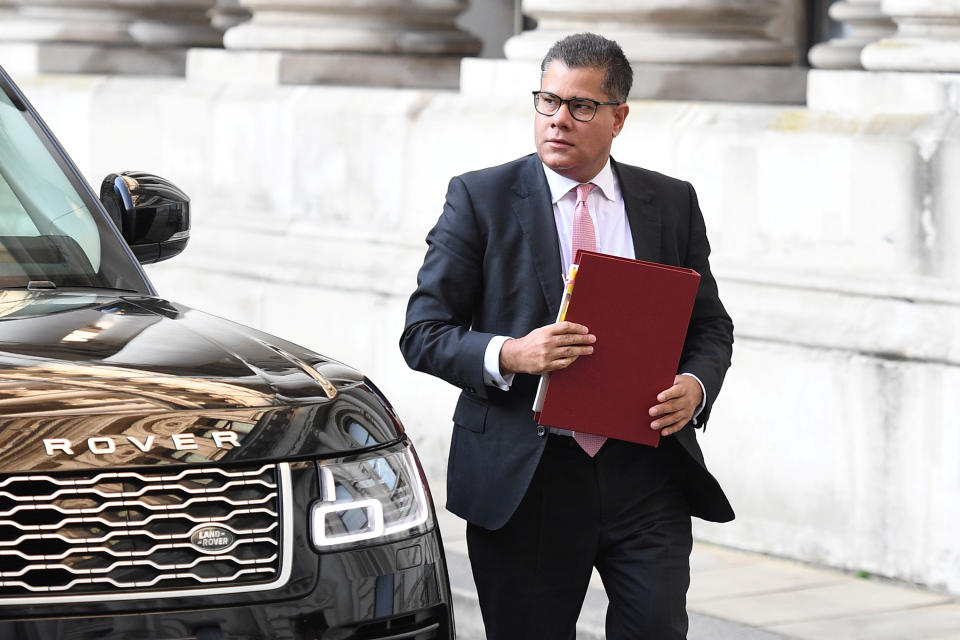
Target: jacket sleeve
(437, 336)
(709, 342)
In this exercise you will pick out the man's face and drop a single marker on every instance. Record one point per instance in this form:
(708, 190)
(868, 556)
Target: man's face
(574, 149)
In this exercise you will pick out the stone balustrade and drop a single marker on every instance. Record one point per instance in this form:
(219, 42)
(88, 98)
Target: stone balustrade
(400, 43)
(418, 42)
(927, 37)
(714, 32)
(144, 23)
(726, 50)
(920, 62)
(417, 27)
(84, 36)
(866, 23)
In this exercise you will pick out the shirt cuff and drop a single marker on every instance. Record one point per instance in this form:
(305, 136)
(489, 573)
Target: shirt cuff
(703, 398)
(491, 365)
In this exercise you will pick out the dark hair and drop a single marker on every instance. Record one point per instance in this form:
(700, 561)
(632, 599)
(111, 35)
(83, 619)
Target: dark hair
(589, 50)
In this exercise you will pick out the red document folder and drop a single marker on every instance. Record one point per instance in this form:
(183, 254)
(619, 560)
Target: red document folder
(639, 312)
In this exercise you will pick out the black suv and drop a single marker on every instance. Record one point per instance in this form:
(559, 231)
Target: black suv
(169, 475)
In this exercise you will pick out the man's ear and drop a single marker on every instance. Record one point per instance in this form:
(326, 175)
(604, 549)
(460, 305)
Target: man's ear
(619, 116)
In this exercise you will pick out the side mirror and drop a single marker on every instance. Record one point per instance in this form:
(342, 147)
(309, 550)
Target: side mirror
(152, 214)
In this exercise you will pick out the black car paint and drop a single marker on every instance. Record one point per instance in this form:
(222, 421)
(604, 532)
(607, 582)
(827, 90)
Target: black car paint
(154, 359)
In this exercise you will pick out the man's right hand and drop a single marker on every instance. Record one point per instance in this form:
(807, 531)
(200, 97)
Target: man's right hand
(548, 348)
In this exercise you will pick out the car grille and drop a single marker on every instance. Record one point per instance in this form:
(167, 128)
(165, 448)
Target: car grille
(64, 537)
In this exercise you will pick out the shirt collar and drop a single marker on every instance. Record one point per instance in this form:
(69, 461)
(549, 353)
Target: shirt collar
(561, 185)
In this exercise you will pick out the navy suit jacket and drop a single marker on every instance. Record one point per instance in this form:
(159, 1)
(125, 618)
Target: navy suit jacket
(493, 267)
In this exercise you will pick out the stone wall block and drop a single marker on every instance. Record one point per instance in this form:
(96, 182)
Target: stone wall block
(862, 486)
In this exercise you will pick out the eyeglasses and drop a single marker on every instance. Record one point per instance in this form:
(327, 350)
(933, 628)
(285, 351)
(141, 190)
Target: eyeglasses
(582, 109)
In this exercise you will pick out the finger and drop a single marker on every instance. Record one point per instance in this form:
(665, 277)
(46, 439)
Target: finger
(668, 394)
(570, 327)
(672, 430)
(569, 352)
(560, 363)
(579, 351)
(678, 417)
(671, 406)
(563, 349)
(574, 339)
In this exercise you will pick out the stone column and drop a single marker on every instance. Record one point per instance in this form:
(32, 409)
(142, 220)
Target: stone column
(927, 37)
(356, 42)
(712, 32)
(867, 23)
(228, 13)
(135, 36)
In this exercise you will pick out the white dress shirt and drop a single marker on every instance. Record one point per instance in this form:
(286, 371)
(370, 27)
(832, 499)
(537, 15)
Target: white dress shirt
(612, 229)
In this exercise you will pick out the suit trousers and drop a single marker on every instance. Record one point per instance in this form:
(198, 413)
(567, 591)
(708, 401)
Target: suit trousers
(623, 512)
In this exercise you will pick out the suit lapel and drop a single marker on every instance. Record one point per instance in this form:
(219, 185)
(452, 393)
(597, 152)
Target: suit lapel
(534, 211)
(642, 213)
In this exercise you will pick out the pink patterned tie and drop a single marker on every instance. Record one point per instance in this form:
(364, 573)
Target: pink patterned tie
(584, 237)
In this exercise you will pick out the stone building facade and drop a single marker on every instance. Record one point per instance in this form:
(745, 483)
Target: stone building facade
(317, 144)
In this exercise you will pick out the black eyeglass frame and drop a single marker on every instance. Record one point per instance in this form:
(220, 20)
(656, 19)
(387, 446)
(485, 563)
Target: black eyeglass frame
(596, 105)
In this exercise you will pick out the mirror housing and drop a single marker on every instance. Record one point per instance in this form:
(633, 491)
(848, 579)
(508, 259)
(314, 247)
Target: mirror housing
(152, 214)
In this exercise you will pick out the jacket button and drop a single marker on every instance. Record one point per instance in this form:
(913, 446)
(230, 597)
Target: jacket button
(541, 430)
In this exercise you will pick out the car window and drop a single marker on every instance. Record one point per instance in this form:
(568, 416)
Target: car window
(47, 230)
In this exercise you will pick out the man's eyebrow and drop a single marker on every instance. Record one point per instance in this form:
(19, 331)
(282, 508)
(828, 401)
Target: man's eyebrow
(573, 98)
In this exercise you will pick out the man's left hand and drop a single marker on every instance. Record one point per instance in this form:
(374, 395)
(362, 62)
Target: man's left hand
(677, 405)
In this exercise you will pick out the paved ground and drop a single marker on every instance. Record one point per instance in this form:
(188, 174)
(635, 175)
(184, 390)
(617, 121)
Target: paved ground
(745, 596)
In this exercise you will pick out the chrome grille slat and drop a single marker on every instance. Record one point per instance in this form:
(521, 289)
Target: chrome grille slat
(123, 494)
(124, 554)
(128, 534)
(136, 563)
(139, 584)
(130, 474)
(156, 516)
(139, 503)
(112, 534)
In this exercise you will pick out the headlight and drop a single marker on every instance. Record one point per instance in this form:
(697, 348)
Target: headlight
(369, 499)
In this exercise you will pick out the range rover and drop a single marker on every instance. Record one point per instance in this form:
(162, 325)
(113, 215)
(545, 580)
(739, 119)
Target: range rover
(166, 474)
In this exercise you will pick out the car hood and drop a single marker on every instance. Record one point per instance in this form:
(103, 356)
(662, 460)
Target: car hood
(96, 379)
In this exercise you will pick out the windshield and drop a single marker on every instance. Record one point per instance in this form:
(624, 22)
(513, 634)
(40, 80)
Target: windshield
(48, 233)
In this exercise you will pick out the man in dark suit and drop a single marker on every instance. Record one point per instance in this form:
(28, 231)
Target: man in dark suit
(542, 509)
